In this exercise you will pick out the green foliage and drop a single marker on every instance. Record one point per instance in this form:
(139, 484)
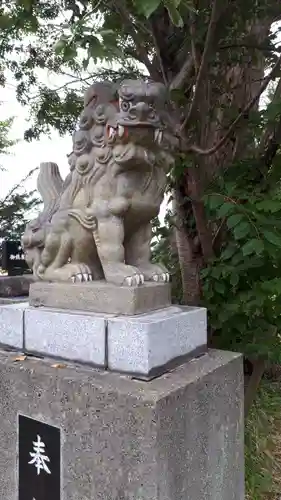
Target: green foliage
(147, 7)
(245, 276)
(17, 204)
(15, 212)
(72, 37)
(5, 142)
(262, 424)
(164, 251)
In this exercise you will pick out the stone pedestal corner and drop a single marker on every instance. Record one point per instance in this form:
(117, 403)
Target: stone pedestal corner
(12, 324)
(152, 343)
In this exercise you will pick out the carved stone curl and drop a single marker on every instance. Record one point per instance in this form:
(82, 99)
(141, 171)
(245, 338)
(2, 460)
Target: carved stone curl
(97, 223)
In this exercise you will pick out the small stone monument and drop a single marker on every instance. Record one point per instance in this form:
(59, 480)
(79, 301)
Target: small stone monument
(144, 411)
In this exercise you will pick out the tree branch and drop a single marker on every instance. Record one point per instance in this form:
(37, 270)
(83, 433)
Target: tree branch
(17, 186)
(259, 366)
(193, 43)
(248, 107)
(184, 74)
(269, 134)
(204, 61)
(250, 46)
(272, 146)
(158, 54)
(137, 40)
(199, 212)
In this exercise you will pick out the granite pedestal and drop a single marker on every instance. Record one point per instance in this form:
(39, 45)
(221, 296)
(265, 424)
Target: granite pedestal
(144, 345)
(177, 437)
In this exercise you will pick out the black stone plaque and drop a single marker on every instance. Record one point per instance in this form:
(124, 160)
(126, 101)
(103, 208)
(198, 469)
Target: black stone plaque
(13, 260)
(39, 460)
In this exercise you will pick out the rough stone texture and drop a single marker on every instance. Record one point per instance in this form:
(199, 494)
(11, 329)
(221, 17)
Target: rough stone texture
(11, 324)
(101, 297)
(142, 344)
(178, 437)
(78, 337)
(15, 286)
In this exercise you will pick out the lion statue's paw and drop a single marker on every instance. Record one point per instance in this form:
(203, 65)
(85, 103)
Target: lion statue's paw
(154, 272)
(135, 280)
(162, 277)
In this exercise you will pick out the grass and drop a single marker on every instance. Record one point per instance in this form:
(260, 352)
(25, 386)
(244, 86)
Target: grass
(263, 444)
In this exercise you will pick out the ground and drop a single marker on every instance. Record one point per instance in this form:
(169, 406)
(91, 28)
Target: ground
(263, 444)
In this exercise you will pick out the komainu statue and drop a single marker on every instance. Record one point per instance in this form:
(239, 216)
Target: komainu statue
(96, 224)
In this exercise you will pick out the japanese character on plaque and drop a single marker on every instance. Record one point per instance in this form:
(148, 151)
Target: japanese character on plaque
(39, 460)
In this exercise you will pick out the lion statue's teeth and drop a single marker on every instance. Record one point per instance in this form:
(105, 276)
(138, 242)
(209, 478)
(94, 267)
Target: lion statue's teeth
(121, 130)
(111, 132)
(158, 135)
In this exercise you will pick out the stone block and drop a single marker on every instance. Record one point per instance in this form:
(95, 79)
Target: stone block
(177, 437)
(15, 286)
(148, 344)
(101, 297)
(12, 300)
(67, 335)
(11, 324)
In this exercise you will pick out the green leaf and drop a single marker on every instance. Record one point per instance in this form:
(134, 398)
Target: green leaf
(34, 24)
(204, 273)
(60, 45)
(214, 201)
(27, 4)
(234, 279)
(228, 252)
(241, 230)
(171, 6)
(237, 258)
(255, 246)
(216, 272)
(6, 21)
(225, 209)
(273, 238)
(147, 7)
(189, 6)
(104, 32)
(269, 206)
(220, 287)
(70, 52)
(233, 220)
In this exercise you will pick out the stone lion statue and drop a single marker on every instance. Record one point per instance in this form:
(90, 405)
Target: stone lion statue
(97, 223)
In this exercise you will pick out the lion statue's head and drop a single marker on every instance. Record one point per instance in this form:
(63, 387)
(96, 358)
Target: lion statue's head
(130, 122)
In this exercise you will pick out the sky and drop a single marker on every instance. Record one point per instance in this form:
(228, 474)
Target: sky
(26, 156)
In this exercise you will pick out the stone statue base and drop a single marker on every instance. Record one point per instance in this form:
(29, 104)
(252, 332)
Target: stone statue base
(101, 297)
(143, 345)
(178, 437)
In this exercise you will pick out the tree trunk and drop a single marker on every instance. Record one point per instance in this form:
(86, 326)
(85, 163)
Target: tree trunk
(189, 269)
(259, 366)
